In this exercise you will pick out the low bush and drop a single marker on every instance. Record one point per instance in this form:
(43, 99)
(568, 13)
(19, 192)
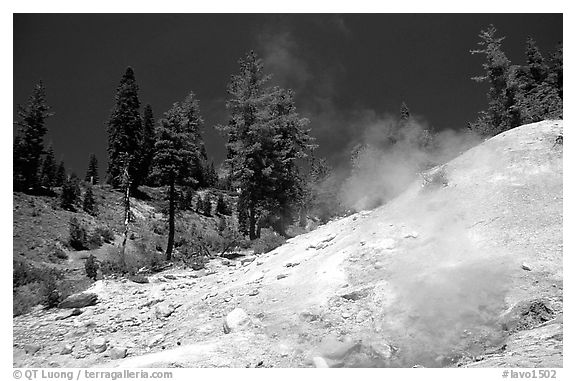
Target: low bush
(34, 285)
(78, 237)
(267, 242)
(91, 267)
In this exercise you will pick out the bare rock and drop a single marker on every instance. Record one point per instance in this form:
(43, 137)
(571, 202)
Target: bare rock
(118, 353)
(82, 299)
(236, 320)
(67, 349)
(164, 310)
(98, 345)
(139, 278)
(155, 340)
(31, 349)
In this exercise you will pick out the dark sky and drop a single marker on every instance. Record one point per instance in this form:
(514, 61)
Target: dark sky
(347, 70)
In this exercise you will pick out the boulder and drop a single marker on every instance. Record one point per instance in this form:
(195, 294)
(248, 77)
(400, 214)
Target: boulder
(80, 300)
(31, 349)
(67, 349)
(236, 320)
(164, 310)
(118, 353)
(319, 362)
(98, 345)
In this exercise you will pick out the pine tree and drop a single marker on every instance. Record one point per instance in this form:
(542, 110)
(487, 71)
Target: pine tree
(148, 140)
(60, 175)
(556, 70)
(70, 194)
(404, 113)
(177, 154)
(125, 132)
(28, 145)
(221, 207)
(92, 171)
(265, 138)
(89, 203)
(502, 113)
(48, 174)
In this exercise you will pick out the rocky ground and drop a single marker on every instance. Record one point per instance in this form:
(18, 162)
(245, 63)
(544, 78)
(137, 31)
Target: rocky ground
(462, 269)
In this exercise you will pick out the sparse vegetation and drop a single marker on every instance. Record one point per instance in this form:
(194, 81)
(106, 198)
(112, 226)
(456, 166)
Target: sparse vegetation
(268, 241)
(78, 237)
(91, 267)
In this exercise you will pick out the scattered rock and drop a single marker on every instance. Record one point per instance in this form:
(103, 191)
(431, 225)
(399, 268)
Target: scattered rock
(254, 292)
(281, 276)
(378, 265)
(170, 276)
(118, 353)
(292, 264)
(83, 299)
(139, 278)
(309, 316)
(411, 235)
(236, 320)
(526, 267)
(164, 310)
(358, 294)
(74, 312)
(67, 349)
(155, 340)
(98, 345)
(31, 349)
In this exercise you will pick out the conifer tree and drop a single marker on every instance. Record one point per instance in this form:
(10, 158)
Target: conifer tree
(125, 132)
(147, 147)
(48, 174)
(28, 145)
(60, 175)
(502, 113)
(92, 171)
(265, 139)
(89, 203)
(556, 68)
(177, 154)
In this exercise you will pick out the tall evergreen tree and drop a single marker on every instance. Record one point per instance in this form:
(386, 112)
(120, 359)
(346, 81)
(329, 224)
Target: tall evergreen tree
(125, 132)
(537, 96)
(29, 145)
(48, 173)
(60, 174)
(556, 70)
(502, 113)
(177, 154)
(92, 171)
(89, 203)
(147, 147)
(265, 139)
(404, 113)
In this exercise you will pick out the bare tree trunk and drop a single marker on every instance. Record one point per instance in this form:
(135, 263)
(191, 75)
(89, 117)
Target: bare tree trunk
(126, 202)
(171, 211)
(252, 222)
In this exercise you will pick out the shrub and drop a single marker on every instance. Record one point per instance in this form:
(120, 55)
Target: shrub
(91, 267)
(70, 194)
(207, 206)
(268, 241)
(221, 206)
(35, 285)
(78, 239)
(105, 233)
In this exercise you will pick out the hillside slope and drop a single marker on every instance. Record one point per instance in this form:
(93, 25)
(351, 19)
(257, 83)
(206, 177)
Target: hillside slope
(464, 268)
